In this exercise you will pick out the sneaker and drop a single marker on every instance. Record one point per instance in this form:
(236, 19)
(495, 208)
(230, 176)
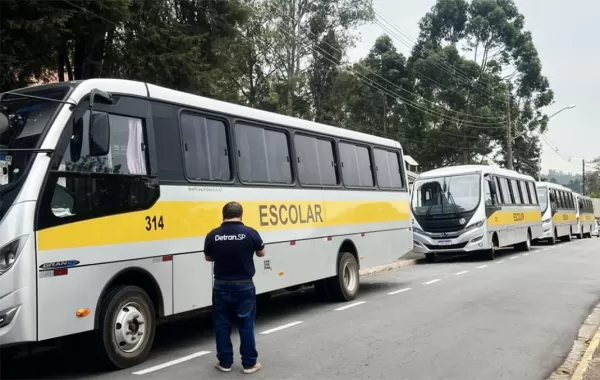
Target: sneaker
(221, 368)
(256, 367)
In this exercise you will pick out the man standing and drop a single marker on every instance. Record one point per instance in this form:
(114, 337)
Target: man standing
(231, 247)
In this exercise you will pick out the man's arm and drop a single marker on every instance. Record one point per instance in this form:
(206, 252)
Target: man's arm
(208, 254)
(259, 246)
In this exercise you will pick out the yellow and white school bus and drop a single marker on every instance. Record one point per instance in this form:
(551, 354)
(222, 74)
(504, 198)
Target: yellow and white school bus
(113, 185)
(559, 215)
(585, 216)
(474, 209)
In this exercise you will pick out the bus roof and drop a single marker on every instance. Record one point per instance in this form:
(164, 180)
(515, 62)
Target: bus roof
(474, 169)
(554, 186)
(83, 87)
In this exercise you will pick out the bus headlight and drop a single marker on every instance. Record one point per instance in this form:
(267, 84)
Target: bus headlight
(476, 225)
(10, 252)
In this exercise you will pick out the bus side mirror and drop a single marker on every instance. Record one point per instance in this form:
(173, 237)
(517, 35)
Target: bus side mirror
(99, 134)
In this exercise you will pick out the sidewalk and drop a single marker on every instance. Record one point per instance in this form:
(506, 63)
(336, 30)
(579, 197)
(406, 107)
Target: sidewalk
(409, 259)
(583, 362)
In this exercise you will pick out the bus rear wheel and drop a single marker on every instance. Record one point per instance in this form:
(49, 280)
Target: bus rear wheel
(526, 245)
(344, 286)
(127, 327)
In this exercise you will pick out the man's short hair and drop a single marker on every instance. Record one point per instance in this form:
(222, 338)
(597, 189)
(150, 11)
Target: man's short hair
(232, 210)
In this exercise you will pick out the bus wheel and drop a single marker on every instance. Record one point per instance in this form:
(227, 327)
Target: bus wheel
(526, 245)
(553, 239)
(344, 286)
(127, 326)
(569, 237)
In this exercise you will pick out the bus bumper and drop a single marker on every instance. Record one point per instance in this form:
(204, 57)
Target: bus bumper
(471, 241)
(16, 322)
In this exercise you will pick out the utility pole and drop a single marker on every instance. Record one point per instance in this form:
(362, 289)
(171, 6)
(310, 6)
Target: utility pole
(583, 177)
(509, 152)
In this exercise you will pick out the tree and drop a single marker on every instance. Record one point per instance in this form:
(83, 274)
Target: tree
(476, 92)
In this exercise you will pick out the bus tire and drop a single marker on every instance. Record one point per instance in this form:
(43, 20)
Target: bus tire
(322, 290)
(127, 327)
(526, 245)
(553, 239)
(344, 286)
(569, 237)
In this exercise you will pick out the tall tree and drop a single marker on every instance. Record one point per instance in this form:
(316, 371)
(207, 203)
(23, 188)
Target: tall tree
(504, 65)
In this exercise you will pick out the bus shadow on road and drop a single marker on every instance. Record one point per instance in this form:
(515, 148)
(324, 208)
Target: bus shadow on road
(174, 338)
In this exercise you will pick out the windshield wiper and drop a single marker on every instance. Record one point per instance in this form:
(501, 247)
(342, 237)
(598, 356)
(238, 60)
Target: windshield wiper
(451, 199)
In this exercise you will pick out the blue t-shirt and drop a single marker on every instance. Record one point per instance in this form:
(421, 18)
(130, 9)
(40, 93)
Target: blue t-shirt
(232, 247)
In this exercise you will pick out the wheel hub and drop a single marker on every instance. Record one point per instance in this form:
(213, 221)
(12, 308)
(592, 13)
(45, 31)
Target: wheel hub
(350, 277)
(130, 328)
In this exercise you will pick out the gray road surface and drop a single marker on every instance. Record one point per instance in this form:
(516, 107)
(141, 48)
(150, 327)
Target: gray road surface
(513, 318)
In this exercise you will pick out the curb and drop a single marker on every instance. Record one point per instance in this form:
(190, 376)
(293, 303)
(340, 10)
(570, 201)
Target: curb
(390, 267)
(577, 361)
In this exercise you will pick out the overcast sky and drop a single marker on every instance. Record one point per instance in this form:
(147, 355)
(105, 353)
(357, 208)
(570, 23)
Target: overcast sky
(566, 36)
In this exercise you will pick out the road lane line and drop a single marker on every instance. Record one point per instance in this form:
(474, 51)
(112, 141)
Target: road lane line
(399, 291)
(514, 257)
(463, 272)
(280, 327)
(432, 281)
(349, 306)
(499, 262)
(171, 363)
(526, 254)
(545, 249)
(482, 266)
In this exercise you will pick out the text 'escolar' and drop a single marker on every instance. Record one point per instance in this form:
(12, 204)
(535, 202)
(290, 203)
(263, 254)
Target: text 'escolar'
(277, 215)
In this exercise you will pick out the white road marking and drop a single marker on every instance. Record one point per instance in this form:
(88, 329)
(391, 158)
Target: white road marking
(281, 328)
(545, 249)
(349, 306)
(171, 363)
(482, 266)
(463, 272)
(432, 281)
(526, 254)
(514, 257)
(499, 262)
(399, 291)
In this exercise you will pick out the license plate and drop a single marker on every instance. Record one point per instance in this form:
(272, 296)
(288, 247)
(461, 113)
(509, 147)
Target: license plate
(444, 242)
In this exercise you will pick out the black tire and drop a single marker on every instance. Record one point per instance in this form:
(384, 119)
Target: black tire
(322, 290)
(430, 258)
(553, 239)
(344, 287)
(488, 254)
(567, 238)
(526, 245)
(131, 305)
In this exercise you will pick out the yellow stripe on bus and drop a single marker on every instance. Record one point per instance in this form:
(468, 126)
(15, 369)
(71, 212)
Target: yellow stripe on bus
(503, 218)
(176, 220)
(564, 217)
(587, 217)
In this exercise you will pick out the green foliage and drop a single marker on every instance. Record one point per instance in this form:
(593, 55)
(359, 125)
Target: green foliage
(447, 102)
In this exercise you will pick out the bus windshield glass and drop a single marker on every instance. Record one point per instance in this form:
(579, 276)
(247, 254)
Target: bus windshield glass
(28, 118)
(543, 197)
(446, 195)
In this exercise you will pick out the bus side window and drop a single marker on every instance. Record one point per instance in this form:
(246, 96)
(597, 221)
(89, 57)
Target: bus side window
(490, 196)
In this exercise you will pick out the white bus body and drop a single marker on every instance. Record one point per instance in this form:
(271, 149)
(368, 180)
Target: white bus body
(472, 208)
(104, 239)
(586, 222)
(559, 216)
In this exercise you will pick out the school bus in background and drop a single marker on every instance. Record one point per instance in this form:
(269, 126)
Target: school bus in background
(474, 209)
(113, 185)
(559, 216)
(585, 216)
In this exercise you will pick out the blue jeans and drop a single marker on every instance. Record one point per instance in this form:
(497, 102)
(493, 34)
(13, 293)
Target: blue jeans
(234, 302)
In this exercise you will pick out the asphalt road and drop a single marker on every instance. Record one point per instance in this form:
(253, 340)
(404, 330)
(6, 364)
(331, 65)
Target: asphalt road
(513, 318)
